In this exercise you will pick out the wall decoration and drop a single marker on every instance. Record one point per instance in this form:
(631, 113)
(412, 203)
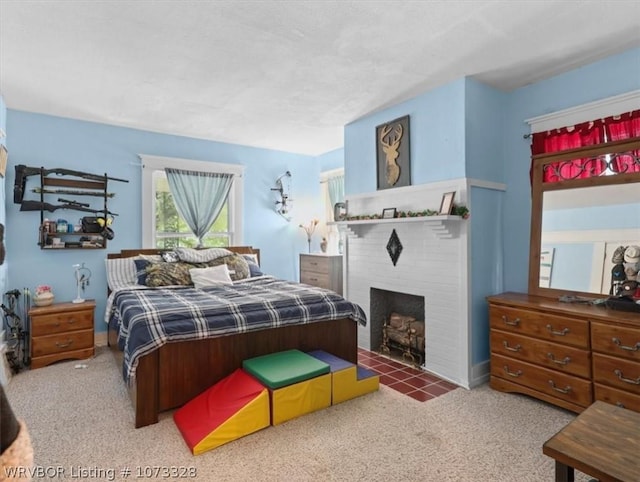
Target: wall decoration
(394, 247)
(392, 154)
(447, 203)
(388, 213)
(546, 265)
(340, 211)
(4, 155)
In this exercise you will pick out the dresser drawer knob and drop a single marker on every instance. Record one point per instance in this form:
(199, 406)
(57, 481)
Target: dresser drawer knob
(617, 342)
(64, 345)
(555, 332)
(626, 380)
(564, 361)
(518, 347)
(564, 390)
(71, 321)
(506, 320)
(512, 374)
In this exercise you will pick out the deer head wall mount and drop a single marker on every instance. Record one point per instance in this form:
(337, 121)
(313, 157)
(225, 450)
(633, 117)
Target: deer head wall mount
(393, 153)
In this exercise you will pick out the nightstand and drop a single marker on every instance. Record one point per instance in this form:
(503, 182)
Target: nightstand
(322, 270)
(61, 331)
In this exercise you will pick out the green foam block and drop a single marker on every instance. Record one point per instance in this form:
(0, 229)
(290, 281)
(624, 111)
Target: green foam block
(284, 368)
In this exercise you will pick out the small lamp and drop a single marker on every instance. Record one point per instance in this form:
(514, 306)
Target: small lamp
(283, 201)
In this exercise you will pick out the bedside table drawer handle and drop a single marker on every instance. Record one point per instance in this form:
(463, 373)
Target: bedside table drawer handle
(559, 333)
(71, 321)
(64, 345)
(617, 342)
(515, 322)
(626, 380)
(564, 361)
(564, 390)
(518, 347)
(512, 374)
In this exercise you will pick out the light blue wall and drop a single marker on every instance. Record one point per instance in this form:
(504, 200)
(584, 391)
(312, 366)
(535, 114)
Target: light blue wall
(437, 141)
(41, 140)
(331, 160)
(615, 75)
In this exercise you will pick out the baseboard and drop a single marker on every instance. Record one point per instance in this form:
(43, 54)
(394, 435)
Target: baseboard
(101, 339)
(480, 373)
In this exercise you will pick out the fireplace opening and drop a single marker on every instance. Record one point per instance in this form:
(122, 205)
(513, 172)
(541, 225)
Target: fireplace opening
(397, 325)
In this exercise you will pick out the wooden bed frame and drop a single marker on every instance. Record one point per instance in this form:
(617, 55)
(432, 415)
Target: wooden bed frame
(176, 372)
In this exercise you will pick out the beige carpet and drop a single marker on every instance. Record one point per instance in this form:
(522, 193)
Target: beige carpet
(82, 418)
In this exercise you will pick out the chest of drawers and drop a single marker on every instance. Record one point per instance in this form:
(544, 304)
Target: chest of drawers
(61, 331)
(323, 271)
(566, 354)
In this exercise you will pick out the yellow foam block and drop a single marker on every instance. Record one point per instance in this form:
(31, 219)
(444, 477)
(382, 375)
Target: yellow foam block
(345, 384)
(300, 398)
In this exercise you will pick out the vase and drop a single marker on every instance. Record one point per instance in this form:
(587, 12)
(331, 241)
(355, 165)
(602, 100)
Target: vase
(44, 299)
(323, 245)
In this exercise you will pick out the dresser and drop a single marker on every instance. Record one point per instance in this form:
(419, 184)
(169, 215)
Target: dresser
(564, 353)
(61, 331)
(322, 270)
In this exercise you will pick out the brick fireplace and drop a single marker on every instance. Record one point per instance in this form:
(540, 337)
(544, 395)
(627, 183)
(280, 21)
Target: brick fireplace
(432, 266)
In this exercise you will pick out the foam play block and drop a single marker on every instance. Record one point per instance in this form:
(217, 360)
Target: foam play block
(347, 379)
(236, 406)
(283, 368)
(300, 398)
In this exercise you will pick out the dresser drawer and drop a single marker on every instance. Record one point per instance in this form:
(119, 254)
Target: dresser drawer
(316, 279)
(316, 264)
(550, 382)
(617, 397)
(548, 354)
(61, 322)
(556, 328)
(616, 372)
(616, 340)
(62, 342)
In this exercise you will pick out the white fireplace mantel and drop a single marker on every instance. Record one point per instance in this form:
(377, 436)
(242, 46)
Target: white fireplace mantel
(443, 226)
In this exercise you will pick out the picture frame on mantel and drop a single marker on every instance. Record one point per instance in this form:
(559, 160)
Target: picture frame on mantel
(393, 155)
(446, 206)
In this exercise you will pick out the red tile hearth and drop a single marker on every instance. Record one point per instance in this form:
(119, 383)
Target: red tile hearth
(414, 383)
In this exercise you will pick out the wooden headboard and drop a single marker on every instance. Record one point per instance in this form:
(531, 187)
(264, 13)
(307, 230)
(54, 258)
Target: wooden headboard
(128, 253)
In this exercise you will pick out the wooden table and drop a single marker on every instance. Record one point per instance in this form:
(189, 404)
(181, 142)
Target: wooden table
(603, 441)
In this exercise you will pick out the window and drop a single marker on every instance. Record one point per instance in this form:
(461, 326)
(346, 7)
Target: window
(162, 227)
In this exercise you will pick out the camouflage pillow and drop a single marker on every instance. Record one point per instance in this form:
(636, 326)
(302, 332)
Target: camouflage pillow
(168, 274)
(238, 267)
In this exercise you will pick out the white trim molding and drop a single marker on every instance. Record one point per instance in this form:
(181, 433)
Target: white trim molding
(599, 109)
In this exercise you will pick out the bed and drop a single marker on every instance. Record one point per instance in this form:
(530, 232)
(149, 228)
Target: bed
(170, 374)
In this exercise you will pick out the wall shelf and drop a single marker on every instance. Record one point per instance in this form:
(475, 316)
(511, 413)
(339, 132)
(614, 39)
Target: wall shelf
(442, 226)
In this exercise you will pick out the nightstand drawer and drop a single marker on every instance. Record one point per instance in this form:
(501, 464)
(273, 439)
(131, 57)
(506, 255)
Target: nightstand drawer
(320, 280)
(60, 343)
(316, 264)
(61, 322)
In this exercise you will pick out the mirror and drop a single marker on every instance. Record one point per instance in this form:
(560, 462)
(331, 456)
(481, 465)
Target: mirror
(577, 224)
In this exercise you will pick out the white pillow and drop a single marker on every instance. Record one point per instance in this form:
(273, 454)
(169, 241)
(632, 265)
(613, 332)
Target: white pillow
(121, 272)
(215, 275)
(191, 255)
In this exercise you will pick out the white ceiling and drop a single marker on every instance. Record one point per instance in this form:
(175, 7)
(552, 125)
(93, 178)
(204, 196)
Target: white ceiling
(284, 75)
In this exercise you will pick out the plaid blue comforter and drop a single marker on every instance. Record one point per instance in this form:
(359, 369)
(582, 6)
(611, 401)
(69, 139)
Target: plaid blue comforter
(149, 318)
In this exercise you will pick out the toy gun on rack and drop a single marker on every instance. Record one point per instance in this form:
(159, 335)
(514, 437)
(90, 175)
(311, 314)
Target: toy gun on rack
(76, 206)
(39, 190)
(22, 172)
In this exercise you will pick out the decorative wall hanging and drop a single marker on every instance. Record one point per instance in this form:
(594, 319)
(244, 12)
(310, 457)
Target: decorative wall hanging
(283, 200)
(4, 155)
(392, 154)
(394, 247)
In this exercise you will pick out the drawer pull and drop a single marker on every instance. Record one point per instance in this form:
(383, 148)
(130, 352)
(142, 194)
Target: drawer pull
(64, 345)
(626, 380)
(71, 321)
(559, 333)
(518, 347)
(512, 374)
(617, 342)
(515, 322)
(564, 390)
(564, 361)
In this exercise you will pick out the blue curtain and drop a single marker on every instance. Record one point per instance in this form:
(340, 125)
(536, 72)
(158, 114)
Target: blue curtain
(199, 197)
(336, 190)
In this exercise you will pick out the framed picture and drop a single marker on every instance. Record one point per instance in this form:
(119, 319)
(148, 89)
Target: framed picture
(388, 213)
(392, 154)
(339, 211)
(3, 159)
(447, 202)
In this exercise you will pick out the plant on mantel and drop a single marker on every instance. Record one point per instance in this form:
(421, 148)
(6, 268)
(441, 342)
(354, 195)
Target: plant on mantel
(457, 210)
